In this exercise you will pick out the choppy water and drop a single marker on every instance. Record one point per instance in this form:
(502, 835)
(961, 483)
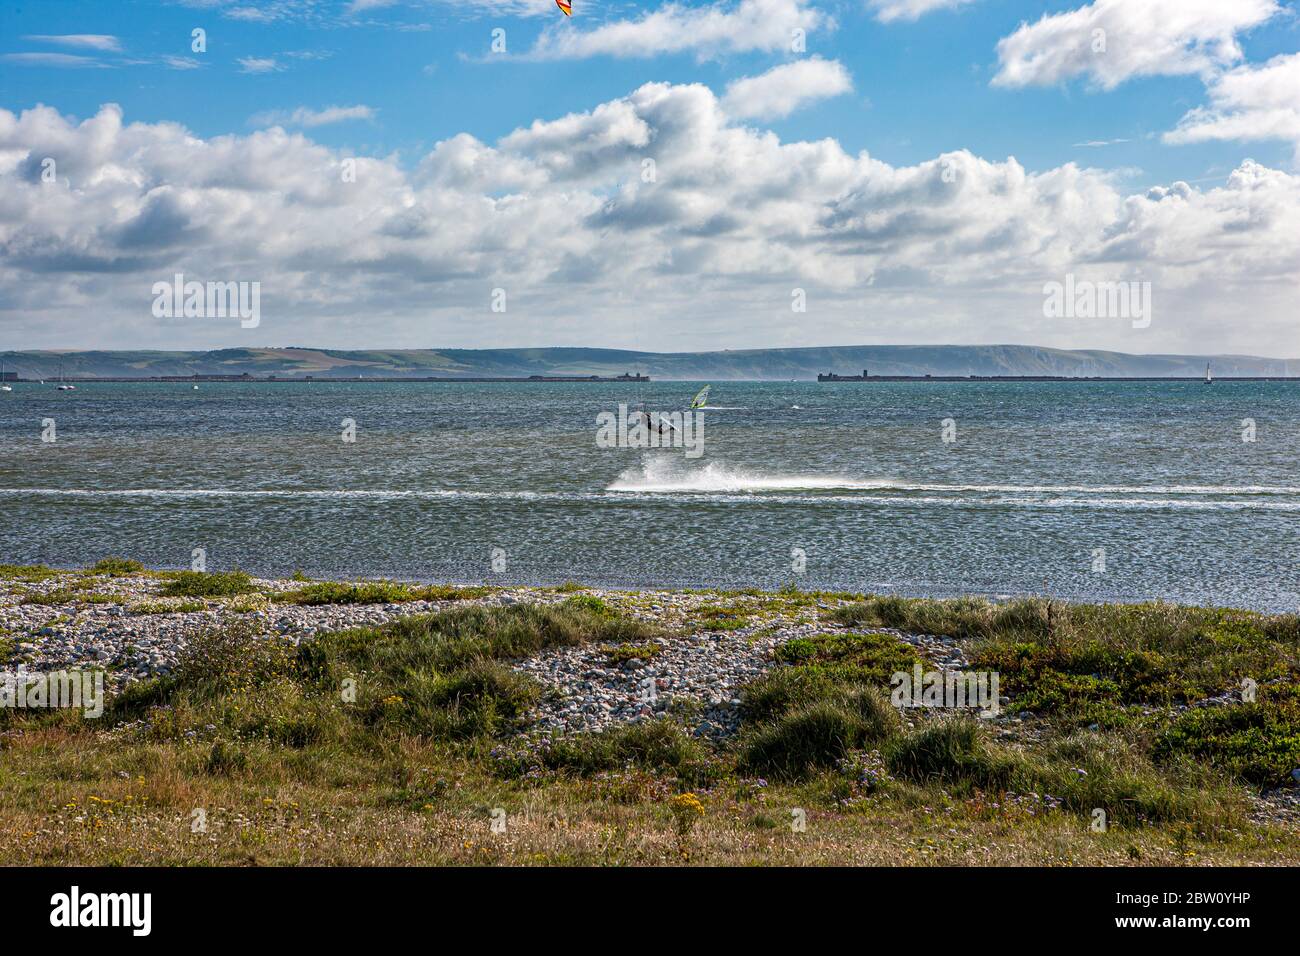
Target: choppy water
(857, 476)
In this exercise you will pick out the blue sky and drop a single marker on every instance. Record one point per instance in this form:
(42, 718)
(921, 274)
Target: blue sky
(922, 87)
(402, 76)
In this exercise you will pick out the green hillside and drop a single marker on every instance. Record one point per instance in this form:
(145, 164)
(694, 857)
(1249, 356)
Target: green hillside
(747, 364)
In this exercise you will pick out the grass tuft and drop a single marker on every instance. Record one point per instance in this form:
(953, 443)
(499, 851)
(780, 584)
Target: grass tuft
(116, 567)
(377, 592)
(208, 584)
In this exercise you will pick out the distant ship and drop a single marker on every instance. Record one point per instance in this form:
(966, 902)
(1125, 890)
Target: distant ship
(1209, 379)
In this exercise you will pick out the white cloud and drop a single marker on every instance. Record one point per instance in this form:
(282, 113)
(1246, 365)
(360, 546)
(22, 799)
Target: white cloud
(85, 41)
(512, 8)
(887, 11)
(252, 14)
(58, 60)
(263, 11)
(561, 213)
(181, 62)
(783, 89)
(259, 64)
(308, 118)
(1248, 103)
(1111, 41)
(766, 25)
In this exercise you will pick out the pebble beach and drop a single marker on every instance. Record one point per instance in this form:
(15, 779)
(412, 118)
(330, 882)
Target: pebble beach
(124, 626)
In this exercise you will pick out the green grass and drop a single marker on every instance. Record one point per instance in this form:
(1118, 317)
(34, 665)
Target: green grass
(719, 617)
(828, 701)
(61, 595)
(28, 573)
(115, 567)
(616, 654)
(1106, 663)
(391, 743)
(659, 745)
(164, 607)
(1258, 742)
(438, 676)
(818, 735)
(377, 592)
(208, 584)
(871, 657)
(1078, 774)
(333, 592)
(818, 714)
(67, 595)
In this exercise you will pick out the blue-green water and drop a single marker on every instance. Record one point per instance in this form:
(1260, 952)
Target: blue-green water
(857, 476)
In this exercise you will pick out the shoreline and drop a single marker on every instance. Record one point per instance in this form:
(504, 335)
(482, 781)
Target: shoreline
(619, 700)
(106, 610)
(513, 582)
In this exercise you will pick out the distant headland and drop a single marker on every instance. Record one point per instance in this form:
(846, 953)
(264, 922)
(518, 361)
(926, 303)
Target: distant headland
(593, 364)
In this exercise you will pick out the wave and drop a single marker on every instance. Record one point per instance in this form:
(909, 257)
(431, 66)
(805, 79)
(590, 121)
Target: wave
(665, 476)
(800, 496)
(669, 481)
(379, 493)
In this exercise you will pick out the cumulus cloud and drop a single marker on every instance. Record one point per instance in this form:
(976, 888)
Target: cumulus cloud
(652, 220)
(767, 25)
(887, 11)
(86, 41)
(1110, 41)
(57, 60)
(1248, 103)
(259, 64)
(783, 89)
(308, 118)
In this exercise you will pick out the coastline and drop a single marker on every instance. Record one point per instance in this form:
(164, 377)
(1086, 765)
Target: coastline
(560, 718)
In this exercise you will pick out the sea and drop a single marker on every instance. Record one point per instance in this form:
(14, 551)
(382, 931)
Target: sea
(1133, 491)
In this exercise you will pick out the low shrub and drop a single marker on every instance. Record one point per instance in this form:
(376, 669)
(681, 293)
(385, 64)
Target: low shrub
(116, 567)
(1257, 742)
(818, 734)
(208, 584)
(648, 745)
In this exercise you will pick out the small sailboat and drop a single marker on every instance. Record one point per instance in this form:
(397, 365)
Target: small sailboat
(4, 386)
(64, 386)
(1209, 379)
(701, 397)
